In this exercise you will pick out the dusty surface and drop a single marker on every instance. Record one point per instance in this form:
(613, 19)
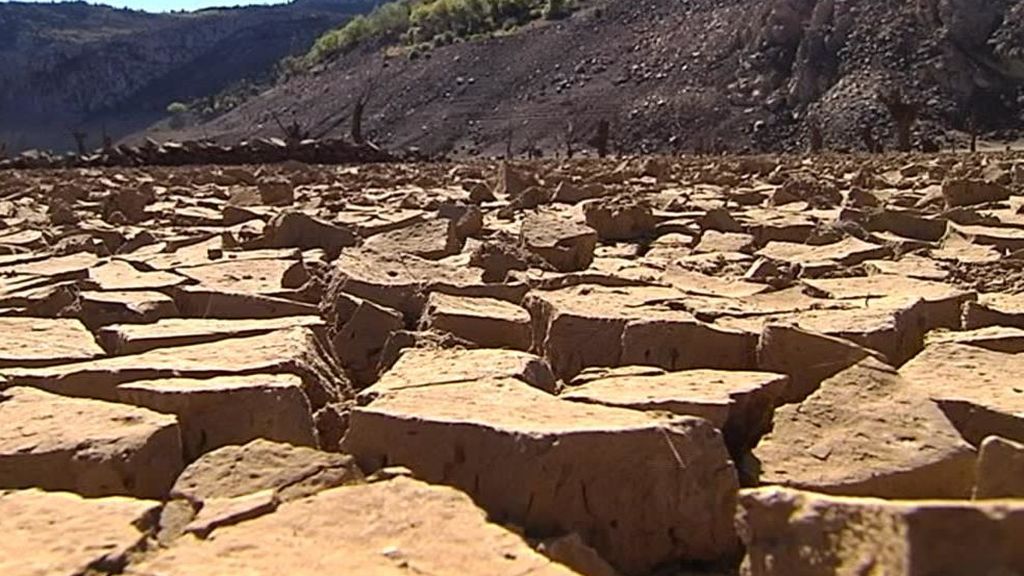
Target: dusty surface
(464, 367)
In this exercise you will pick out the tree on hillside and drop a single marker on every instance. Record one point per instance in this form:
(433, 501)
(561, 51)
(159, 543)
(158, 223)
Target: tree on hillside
(904, 114)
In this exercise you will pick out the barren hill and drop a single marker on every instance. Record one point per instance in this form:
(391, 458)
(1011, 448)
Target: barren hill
(676, 75)
(76, 67)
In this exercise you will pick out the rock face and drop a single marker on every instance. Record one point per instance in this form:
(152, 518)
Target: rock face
(801, 533)
(884, 438)
(386, 528)
(64, 534)
(618, 487)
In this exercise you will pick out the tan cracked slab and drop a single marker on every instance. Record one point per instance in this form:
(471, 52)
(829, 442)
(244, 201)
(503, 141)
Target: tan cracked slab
(123, 339)
(640, 490)
(424, 367)
(292, 472)
(90, 447)
(45, 341)
(867, 432)
(980, 390)
(486, 322)
(62, 534)
(738, 403)
(387, 528)
(227, 410)
(794, 533)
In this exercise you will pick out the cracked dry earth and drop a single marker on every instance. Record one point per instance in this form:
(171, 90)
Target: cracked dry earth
(760, 365)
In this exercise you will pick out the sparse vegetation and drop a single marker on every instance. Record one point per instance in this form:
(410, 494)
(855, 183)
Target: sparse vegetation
(177, 110)
(434, 22)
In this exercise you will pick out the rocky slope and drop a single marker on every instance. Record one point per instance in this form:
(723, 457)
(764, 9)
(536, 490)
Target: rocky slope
(75, 67)
(679, 75)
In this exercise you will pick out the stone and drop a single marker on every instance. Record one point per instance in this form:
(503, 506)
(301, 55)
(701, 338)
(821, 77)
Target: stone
(629, 325)
(226, 304)
(295, 351)
(125, 339)
(1000, 469)
(402, 282)
(846, 252)
(566, 245)
(712, 241)
(994, 309)
(85, 446)
(120, 275)
(276, 192)
(969, 192)
(793, 533)
(293, 229)
(512, 180)
(738, 403)
(226, 410)
(96, 309)
(867, 432)
(33, 342)
(994, 338)
(389, 528)
(424, 367)
(433, 240)
(362, 338)
(290, 472)
(941, 304)
(641, 491)
(487, 322)
(979, 390)
(253, 277)
(220, 512)
(62, 534)
(808, 358)
(620, 218)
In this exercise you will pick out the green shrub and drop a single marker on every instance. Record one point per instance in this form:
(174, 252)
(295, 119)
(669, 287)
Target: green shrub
(177, 108)
(433, 22)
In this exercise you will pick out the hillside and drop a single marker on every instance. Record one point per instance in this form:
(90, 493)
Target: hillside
(77, 67)
(668, 75)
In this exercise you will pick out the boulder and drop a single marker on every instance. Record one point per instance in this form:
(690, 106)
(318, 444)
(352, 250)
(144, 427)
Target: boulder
(969, 192)
(433, 240)
(124, 339)
(31, 342)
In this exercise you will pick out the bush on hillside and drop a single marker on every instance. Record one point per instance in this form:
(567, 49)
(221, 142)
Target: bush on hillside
(434, 22)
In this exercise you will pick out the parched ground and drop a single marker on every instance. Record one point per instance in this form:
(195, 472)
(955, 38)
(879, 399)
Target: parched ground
(778, 366)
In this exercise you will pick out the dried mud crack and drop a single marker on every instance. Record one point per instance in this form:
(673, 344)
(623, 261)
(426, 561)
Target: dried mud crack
(773, 366)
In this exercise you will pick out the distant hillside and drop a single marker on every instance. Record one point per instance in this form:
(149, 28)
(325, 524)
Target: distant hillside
(77, 67)
(673, 75)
